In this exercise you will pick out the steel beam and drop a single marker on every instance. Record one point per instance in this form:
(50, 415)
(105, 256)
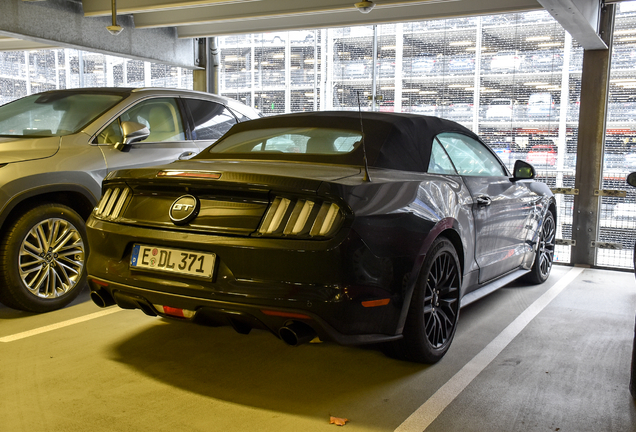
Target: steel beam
(580, 18)
(591, 138)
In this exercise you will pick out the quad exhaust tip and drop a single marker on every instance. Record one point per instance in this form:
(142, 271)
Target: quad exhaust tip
(102, 298)
(296, 333)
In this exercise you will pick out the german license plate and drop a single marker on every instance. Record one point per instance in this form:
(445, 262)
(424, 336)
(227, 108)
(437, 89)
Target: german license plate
(190, 263)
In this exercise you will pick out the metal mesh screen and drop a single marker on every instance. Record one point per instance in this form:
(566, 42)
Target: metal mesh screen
(617, 216)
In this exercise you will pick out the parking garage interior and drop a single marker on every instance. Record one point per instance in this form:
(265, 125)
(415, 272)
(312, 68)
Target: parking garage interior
(535, 85)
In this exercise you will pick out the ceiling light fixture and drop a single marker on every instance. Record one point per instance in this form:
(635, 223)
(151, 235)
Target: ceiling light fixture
(114, 29)
(365, 6)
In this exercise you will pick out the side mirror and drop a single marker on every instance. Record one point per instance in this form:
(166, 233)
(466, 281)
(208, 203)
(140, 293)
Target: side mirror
(133, 132)
(631, 179)
(523, 171)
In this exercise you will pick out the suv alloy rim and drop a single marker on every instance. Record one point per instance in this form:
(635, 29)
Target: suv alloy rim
(51, 258)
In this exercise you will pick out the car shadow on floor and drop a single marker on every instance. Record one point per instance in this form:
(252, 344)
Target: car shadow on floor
(259, 370)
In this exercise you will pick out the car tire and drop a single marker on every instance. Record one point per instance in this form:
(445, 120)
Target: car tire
(432, 317)
(632, 379)
(43, 259)
(544, 257)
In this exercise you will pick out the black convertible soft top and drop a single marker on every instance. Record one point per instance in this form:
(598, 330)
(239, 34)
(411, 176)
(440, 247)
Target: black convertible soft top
(398, 141)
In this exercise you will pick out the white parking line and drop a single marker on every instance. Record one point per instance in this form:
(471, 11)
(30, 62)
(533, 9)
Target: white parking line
(59, 325)
(433, 407)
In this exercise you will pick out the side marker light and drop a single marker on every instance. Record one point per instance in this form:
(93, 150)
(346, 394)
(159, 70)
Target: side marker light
(374, 303)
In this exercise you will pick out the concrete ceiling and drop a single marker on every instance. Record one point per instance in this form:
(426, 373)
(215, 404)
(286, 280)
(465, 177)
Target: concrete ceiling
(203, 18)
(163, 30)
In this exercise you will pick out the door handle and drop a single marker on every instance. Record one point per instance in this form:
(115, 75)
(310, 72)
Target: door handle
(483, 200)
(186, 155)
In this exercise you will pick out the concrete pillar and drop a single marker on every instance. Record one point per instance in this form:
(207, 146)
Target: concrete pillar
(591, 140)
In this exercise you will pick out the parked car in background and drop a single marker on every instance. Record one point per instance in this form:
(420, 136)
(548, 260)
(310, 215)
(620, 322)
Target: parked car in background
(506, 61)
(458, 64)
(542, 155)
(541, 105)
(544, 60)
(455, 111)
(422, 64)
(502, 109)
(357, 69)
(629, 160)
(55, 149)
(378, 230)
(386, 68)
(503, 151)
(429, 109)
(623, 108)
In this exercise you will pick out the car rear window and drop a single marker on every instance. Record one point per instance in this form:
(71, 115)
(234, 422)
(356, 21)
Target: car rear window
(318, 141)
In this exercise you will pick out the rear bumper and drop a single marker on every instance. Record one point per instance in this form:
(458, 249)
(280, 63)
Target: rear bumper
(329, 282)
(242, 317)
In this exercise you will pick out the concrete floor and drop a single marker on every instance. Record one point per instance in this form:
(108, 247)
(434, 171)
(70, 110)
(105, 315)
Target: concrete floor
(566, 370)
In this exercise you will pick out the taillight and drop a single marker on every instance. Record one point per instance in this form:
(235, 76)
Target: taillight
(301, 218)
(112, 203)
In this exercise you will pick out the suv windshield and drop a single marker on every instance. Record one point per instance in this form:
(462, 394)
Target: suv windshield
(305, 140)
(53, 114)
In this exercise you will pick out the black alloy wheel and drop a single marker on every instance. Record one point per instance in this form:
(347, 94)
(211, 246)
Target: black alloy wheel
(42, 259)
(545, 251)
(432, 317)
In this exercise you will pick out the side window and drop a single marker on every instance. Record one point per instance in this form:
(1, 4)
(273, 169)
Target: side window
(440, 163)
(211, 120)
(112, 134)
(161, 116)
(470, 157)
(240, 116)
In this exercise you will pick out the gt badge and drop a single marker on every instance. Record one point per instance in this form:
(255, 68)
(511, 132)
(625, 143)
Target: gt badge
(184, 209)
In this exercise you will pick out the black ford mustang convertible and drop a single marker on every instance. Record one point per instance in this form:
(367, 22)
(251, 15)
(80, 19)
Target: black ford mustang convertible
(351, 227)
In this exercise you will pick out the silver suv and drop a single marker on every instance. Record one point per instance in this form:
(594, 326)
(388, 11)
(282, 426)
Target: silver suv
(55, 149)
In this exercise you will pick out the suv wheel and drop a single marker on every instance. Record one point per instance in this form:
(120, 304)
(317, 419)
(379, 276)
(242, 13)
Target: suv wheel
(42, 259)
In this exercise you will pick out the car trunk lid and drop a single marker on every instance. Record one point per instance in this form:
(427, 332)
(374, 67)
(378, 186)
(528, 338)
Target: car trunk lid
(232, 196)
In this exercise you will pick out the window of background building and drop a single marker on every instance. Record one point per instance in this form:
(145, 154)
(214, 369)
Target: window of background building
(26, 72)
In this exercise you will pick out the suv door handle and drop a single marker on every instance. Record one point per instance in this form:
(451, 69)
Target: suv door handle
(483, 200)
(186, 155)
